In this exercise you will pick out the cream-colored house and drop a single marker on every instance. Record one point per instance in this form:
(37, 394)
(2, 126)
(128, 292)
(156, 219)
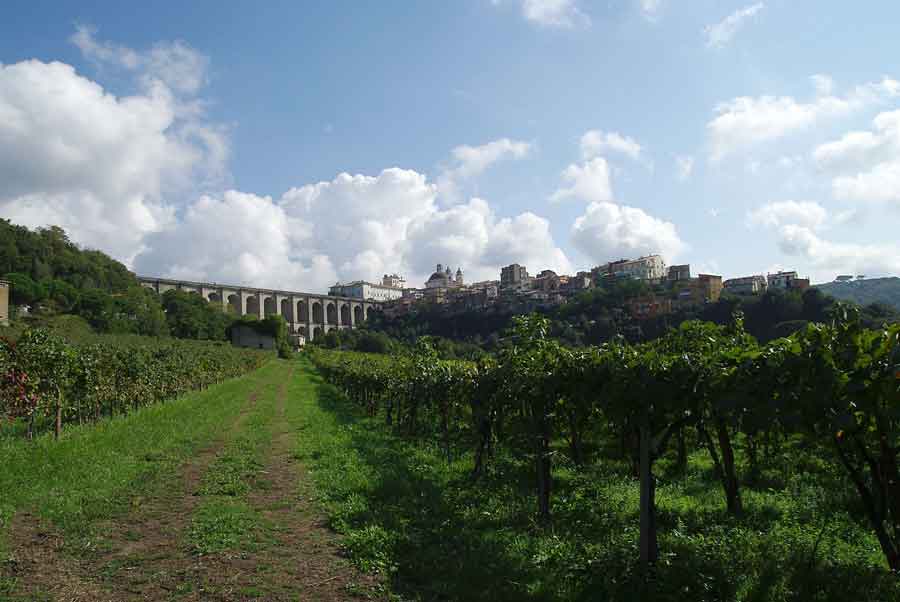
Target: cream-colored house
(4, 302)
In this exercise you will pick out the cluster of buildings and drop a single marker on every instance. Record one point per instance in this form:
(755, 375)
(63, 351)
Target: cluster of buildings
(669, 288)
(759, 284)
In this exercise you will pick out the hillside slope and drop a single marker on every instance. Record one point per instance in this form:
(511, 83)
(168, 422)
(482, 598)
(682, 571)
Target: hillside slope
(864, 292)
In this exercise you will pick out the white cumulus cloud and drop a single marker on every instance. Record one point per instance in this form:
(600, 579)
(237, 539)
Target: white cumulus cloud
(136, 176)
(351, 227)
(471, 161)
(865, 164)
(139, 177)
(829, 258)
(808, 214)
(608, 231)
(684, 167)
(589, 182)
(470, 235)
(650, 9)
(596, 142)
(800, 227)
(238, 238)
(555, 13)
(746, 121)
(176, 64)
(823, 84)
(74, 155)
(719, 34)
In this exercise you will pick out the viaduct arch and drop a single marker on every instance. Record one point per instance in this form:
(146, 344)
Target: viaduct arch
(308, 314)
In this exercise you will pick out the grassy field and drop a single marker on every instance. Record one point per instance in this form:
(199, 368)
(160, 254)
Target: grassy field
(404, 511)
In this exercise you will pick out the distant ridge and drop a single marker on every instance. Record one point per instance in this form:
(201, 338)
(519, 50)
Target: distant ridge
(864, 292)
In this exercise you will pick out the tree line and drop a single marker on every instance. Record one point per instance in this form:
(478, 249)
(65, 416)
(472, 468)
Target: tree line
(51, 275)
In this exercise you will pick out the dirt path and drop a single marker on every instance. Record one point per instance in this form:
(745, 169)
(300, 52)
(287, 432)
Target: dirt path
(302, 560)
(143, 555)
(43, 571)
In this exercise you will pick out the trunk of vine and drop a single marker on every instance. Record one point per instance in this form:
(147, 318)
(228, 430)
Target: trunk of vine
(576, 449)
(413, 412)
(753, 456)
(711, 448)
(484, 440)
(649, 550)
(445, 428)
(890, 482)
(876, 517)
(634, 449)
(389, 412)
(729, 480)
(542, 459)
(57, 431)
(681, 462)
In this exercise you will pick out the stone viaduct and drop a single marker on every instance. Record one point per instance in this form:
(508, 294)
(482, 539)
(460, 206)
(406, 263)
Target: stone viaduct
(308, 314)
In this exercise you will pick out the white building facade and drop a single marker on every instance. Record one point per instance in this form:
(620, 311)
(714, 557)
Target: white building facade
(781, 280)
(746, 285)
(393, 281)
(361, 289)
(649, 267)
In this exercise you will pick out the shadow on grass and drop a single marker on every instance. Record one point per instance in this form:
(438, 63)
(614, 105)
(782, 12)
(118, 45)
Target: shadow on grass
(443, 537)
(442, 547)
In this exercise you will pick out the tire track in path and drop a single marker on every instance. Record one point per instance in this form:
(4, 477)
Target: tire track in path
(140, 556)
(302, 560)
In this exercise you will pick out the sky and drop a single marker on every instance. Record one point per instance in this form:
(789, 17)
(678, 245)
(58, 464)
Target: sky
(295, 144)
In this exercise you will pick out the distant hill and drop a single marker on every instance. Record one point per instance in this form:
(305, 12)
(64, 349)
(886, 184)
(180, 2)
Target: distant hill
(864, 292)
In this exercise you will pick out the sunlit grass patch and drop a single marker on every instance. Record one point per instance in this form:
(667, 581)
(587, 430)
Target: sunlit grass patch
(224, 524)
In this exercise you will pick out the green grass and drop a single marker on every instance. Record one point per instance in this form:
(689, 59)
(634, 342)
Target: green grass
(94, 470)
(224, 521)
(223, 524)
(234, 470)
(404, 512)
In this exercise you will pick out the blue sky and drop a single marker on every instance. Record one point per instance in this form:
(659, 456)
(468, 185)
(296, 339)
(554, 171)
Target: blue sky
(209, 140)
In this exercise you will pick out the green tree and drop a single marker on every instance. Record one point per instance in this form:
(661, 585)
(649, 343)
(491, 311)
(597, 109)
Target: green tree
(24, 290)
(190, 316)
(95, 306)
(64, 295)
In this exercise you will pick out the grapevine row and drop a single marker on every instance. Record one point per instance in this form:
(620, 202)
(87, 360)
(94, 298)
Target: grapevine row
(836, 386)
(44, 379)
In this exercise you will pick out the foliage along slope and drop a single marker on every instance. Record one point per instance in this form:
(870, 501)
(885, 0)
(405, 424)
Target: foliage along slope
(884, 291)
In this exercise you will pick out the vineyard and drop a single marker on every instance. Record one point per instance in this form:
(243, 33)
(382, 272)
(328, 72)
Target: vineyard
(700, 466)
(47, 382)
(798, 436)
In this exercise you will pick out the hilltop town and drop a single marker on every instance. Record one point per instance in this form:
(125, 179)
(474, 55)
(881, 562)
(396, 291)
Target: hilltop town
(668, 289)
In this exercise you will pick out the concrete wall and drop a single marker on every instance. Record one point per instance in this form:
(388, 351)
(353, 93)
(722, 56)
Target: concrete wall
(4, 302)
(244, 336)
